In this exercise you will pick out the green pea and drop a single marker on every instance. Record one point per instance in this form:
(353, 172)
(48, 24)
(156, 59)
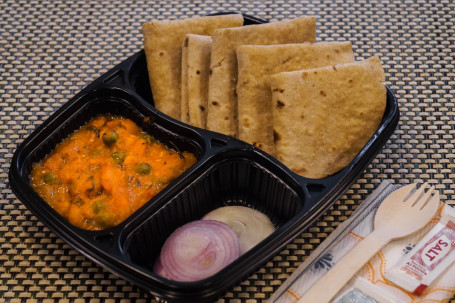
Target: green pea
(49, 178)
(99, 206)
(110, 137)
(105, 219)
(118, 157)
(147, 138)
(143, 169)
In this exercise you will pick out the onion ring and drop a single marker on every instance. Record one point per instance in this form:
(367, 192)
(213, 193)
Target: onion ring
(198, 250)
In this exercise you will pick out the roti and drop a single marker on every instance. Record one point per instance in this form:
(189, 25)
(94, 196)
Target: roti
(184, 116)
(324, 116)
(255, 65)
(163, 49)
(222, 113)
(195, 79)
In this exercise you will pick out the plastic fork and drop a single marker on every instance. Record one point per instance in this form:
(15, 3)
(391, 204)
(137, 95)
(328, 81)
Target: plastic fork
(399, 215)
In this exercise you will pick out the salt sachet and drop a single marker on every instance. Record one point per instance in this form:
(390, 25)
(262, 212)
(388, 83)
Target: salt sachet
(431, 256)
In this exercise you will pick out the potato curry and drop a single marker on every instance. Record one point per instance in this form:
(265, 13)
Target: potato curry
(105, 171)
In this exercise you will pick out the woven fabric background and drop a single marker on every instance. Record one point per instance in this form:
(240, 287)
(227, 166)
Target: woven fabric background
(49, 50)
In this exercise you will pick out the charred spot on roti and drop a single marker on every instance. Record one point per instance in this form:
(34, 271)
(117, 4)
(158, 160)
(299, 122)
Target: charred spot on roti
(161, 54)
(276, 136)
(186, 42)
(258, 145)
(286, 60)
(246, 122)
(219, 63)
(335, 68)
(210, 72)
(350, 81)
(323, 93)
(226, 118)
(198, 72)
(333, 148)
(214, 103)
(279, 104)
(202, 108)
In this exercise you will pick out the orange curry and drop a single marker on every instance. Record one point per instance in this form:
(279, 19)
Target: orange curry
(105, 171)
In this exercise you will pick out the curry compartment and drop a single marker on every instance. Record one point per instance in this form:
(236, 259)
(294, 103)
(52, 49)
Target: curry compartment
(105, 101)
(235, 178)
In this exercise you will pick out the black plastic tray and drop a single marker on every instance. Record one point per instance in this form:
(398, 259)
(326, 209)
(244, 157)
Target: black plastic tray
(228, 172)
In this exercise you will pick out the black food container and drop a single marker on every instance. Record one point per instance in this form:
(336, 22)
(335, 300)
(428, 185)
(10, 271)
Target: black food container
(228, 172)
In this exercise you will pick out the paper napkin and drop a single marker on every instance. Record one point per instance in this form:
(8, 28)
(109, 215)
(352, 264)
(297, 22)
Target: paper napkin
(369, 285)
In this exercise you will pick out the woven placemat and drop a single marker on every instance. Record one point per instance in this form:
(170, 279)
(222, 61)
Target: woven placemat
(49, 50)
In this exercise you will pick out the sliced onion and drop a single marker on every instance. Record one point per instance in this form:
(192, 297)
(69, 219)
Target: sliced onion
(250, 225)
(159, 269)
(198, 250)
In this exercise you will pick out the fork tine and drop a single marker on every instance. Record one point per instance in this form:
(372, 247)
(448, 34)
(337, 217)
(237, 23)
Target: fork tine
(415, 196)
(403, 192)
(420, 204)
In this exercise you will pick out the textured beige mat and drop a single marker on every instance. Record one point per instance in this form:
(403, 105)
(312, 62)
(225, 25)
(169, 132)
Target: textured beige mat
(49, 50)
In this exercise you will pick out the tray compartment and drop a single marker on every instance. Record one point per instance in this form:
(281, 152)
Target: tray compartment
(237, 179)
(76, 114)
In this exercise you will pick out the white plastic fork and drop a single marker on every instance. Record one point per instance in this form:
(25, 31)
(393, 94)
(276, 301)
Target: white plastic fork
(399, 215)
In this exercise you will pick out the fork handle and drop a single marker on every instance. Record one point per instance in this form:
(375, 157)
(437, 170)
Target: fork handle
(333, 281)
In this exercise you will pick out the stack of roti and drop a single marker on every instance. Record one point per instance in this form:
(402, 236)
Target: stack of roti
(308, 104)
(222, 114)
(169, 64)
(257, 64)
(163, 49)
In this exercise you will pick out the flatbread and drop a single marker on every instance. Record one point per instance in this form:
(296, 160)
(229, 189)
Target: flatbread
(324, 116)
(184, 115)
(222, 114)
(255, 65)
(195, 79)
(163, 49)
